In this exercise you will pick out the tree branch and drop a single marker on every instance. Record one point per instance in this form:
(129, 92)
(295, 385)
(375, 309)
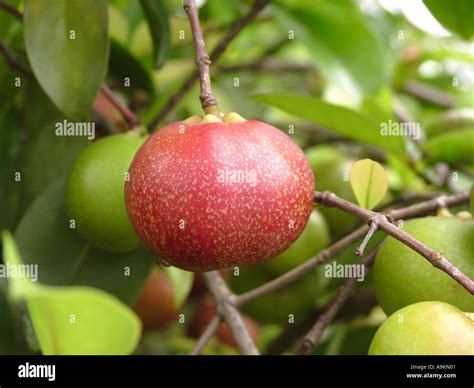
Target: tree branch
(382, 222)
(206, 335)
(424, 208)
(127, 114)
(429, 94)
(11, 10)
(208, 102)
(312, 338)
(225, 304)
(215, 55)
(12, 60)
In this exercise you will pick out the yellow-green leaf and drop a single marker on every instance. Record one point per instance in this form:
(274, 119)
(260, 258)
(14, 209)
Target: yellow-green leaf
(369, 182)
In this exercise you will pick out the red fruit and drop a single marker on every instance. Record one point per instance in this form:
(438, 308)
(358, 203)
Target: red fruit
(155, 305)
(203, 316)
(215, 195)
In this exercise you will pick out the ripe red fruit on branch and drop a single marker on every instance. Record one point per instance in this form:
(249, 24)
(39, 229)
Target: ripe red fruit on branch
(211, 194)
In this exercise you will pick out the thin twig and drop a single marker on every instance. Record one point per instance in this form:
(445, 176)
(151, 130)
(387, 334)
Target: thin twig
(312, 338)
(13, 61)
(127, 114)
(302, 269)
(206, 335)
(11, 10)
(421, 209)
(382, 222)
(225, 303)
(188, 84)
(208, 102)
(430, 94)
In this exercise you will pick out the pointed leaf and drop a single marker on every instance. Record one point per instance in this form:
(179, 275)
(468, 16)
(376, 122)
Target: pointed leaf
(73, 320)
(67, 46)
(369, 182)
(339, 119)
(455, 15)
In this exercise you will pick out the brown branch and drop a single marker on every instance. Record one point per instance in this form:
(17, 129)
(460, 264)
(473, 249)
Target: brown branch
(11, 10)
(208, 102)
(225, 303)
(382, 222)
(12, 60)
(215, 55)
(206, 335)
(424, 208)
(312, 338)
(302, 269)
(430, 94)
(127, 114)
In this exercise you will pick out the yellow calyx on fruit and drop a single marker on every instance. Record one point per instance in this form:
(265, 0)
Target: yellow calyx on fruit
(195, 119)
(210, 118)
(444, 213)
(233, 117)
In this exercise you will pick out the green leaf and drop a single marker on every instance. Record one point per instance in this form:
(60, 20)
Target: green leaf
(45, 158)
(472, 199)
(369, 182)
(449, 121)
(156, 14)
(122, 64)
(348, 50)
(452, 147)
(73, 320)
(44, 238)
(67, 46)
(455, 15)
(182, 282)
(339, 119)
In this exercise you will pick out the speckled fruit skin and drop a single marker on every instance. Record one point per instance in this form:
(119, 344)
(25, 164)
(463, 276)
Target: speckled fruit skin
(425, 328)
(94, 195)
(402, 277)
(155, 305)
(187, 205)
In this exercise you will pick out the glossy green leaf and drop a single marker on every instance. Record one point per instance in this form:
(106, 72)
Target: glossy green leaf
(455, 15)
(122, 65)
(449, 121)
(369, 182)
(348, 50)
(454, 147)
(73, 320)
(44, 238)
(339, 119)
(156, 14)
(182, 282)
(67, 46)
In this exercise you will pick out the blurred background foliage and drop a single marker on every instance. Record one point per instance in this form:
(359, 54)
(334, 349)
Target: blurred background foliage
(328, 73)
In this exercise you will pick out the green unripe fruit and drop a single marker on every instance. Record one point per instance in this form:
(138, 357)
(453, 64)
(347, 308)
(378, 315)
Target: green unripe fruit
(426, 328)
(94, 196)
(403, 277)
(315, 237)
(293, 301)
(331, 171)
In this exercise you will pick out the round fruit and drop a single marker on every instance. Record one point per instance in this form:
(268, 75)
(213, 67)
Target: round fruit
(425, 328)
(203, 316)
(402, 276)
(213, 194)
(292, 302)
(315, 237)
(331, 170)
(94, 195)
(155, 305)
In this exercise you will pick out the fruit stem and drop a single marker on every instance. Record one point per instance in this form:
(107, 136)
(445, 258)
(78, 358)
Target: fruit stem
(208, 102)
